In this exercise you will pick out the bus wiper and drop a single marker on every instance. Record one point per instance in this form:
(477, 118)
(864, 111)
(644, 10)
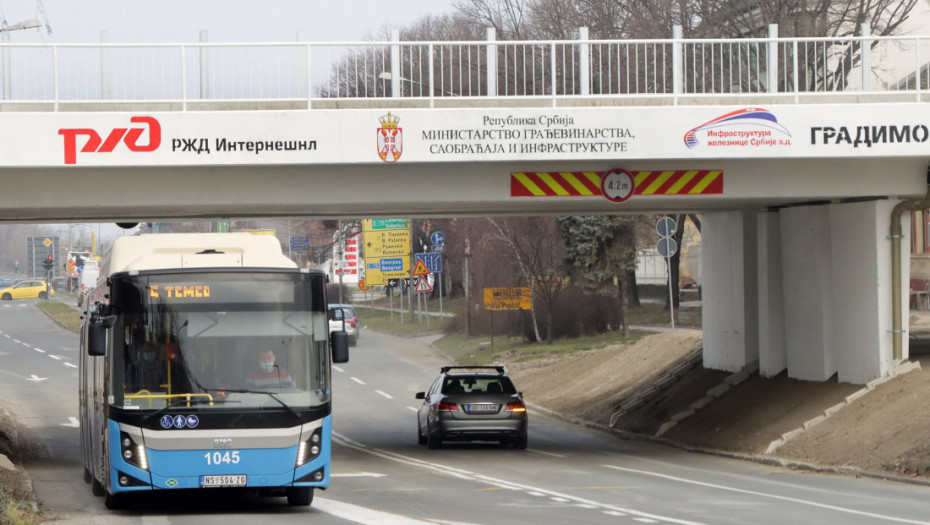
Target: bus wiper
(269, 394)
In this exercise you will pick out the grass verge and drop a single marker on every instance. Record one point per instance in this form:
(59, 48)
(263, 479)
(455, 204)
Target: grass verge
(14, 513)
(385, 321)
(65, 314)
(479, 351)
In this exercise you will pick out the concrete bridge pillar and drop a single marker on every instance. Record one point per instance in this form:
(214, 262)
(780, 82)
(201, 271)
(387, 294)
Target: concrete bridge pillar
(806, 288)
(729, 294)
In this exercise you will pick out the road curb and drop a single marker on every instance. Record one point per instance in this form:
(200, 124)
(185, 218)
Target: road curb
(6, 462)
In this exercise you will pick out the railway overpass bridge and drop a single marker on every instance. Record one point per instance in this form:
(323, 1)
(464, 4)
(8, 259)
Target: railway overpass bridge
(796, 152)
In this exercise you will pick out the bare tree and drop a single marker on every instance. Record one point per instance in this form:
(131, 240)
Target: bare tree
(538, 250)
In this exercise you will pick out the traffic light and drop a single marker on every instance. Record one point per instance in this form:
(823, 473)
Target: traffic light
(49, 262)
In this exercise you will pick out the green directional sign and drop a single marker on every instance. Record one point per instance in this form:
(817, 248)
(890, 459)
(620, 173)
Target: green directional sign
(384, 224)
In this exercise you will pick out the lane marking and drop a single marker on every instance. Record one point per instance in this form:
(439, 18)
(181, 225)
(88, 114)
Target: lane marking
(36, 379)
(39, 350)
(72, 422)
(56, 357)
(766, 495)
(412, 408)
(356, 475)
(363, 515)
(336, 368)
(357, 380)
(496, 482)
(69, 365)
(385, 394)
(552, 454)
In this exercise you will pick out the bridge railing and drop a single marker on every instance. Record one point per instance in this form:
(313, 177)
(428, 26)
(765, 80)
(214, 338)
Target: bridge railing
(306, 75)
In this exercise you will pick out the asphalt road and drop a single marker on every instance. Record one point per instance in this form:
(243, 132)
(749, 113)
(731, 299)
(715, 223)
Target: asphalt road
(380, 474)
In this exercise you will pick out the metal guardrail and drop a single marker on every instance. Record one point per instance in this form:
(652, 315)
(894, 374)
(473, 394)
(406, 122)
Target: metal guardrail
(664, 71)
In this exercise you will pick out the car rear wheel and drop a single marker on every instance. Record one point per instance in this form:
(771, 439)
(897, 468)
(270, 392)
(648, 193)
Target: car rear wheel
(521, 441)
(433, 441)
(421, 439)
(43, 295)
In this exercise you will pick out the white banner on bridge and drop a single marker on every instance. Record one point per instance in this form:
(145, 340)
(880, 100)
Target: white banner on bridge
(398, 136)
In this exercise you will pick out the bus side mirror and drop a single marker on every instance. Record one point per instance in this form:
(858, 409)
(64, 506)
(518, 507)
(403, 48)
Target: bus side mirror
(340, 346)
(97, 335)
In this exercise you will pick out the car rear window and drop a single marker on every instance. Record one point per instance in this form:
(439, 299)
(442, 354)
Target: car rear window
(478, 385)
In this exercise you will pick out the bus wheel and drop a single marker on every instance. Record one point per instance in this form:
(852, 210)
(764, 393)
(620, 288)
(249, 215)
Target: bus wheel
(116, 501)
(97, 488)
(299, 496)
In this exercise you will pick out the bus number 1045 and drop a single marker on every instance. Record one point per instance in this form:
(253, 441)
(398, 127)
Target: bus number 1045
(220, 458)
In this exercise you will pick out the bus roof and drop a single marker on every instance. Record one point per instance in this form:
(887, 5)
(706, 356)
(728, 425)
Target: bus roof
(164, 251)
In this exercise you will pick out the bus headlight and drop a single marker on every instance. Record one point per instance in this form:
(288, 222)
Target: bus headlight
(133, 453)
(310, 449)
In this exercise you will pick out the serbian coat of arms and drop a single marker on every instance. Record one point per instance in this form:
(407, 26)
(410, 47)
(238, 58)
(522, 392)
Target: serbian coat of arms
(390, 138)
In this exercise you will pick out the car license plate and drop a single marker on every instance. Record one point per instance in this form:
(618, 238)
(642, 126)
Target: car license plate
(482, 408)
(222, 481)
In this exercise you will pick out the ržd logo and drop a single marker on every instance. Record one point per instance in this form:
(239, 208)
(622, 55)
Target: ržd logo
(390, 138)
(129, 136)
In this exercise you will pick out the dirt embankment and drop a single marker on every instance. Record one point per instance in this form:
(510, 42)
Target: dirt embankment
(886, 431)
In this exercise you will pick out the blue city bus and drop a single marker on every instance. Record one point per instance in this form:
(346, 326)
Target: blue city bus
(206, 363)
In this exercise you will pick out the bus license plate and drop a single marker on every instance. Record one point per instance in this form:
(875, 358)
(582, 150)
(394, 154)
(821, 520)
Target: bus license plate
(222, 481)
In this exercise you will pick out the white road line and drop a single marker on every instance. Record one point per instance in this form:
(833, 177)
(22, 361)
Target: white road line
(357, 380)
(27, 345)
(552, 454)
(69, 365)
(766, 495)
(614, 513)
(497, 482)
(413, 408)
(385, 394)
(336, 368)
(56, 357)
(7, 336)
(39, 350)
(363, 515)
(17, 341)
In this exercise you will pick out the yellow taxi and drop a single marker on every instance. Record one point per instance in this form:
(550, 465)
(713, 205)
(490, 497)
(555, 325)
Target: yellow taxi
(28, 289)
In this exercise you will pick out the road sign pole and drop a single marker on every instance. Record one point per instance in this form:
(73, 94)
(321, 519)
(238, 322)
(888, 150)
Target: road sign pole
(671, 301)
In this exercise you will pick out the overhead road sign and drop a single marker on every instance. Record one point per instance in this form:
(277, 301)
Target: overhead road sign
(507, 299)
(432, 262)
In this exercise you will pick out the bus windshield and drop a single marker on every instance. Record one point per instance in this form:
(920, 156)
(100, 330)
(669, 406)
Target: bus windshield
(218, 341)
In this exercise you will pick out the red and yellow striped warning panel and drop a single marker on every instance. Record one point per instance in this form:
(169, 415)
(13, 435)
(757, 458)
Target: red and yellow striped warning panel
(588, 183)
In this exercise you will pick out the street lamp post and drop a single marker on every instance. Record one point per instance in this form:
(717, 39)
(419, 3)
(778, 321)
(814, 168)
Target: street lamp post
(5, 38)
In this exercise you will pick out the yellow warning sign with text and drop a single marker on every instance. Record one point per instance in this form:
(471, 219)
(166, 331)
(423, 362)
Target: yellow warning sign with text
(507, 299)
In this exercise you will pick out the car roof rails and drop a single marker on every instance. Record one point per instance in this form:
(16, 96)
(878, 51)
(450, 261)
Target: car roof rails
(500, 369)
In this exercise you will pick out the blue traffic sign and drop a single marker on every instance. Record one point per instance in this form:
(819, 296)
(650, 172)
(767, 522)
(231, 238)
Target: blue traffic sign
(433, 261)
(392, 265)
(438, 248)
(437, 238)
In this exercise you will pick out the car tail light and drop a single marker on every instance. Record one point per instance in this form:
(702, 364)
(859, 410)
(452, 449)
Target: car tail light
(445, 406)
(351, 322)
(515, 406)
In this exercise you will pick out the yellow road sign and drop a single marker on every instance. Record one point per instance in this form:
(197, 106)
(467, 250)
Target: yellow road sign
(386, 243)
(507, 299)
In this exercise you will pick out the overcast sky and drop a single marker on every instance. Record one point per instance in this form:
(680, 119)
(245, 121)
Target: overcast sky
(225, 20)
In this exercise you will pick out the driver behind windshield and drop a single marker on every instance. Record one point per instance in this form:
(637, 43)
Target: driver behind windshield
(267, 374)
